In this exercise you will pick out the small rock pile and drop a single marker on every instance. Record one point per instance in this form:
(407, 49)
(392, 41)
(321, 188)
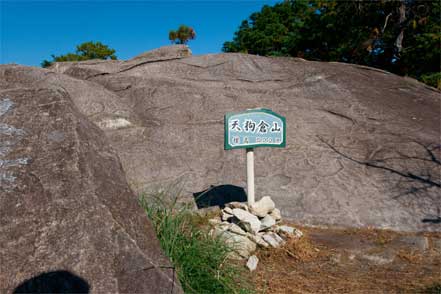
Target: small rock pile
(245, 227)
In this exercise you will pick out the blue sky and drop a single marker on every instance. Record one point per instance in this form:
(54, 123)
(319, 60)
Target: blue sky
(31, 31)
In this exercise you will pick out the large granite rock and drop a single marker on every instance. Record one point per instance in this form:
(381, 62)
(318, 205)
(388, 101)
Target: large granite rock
(362, 148)
(69, 221)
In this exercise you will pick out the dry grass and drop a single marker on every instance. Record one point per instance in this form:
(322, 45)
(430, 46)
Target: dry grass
(308, 266)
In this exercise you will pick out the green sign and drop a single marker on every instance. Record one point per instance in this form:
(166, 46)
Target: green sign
(254, 128)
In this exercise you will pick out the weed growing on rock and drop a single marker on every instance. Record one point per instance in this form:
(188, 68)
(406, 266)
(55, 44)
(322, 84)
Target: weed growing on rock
(201, 261)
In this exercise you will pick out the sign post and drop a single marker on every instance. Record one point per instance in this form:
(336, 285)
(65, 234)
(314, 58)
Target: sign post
(254, 128)
(250, 175)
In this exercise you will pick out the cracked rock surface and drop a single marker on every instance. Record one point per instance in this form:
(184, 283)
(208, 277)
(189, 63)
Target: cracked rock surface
(66, 208)
(363, 145)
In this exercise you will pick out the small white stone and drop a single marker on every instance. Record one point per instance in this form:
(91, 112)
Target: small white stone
(290, 231)
(252, 263)
(226, 216)
(275, 214)
(298, 233)
(258, 240)
(240, 244)
(114, 124)
(278, 238)
(236, 204)
(247, 220)
(228, 210)
(237, 230)
(262, 207)
(273, 239)
(267, 222)
(286, 229)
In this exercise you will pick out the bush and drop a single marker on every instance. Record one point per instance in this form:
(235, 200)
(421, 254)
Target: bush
(433, 79)
(182, 35)
(200, 260)
(85, 51)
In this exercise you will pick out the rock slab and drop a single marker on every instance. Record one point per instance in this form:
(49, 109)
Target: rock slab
(340, 118)
(67, 212)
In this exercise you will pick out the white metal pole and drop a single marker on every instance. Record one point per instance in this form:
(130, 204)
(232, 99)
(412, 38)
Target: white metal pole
(250, 175)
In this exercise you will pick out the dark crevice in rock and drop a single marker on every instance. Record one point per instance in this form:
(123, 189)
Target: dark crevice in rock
(147, 62)
(340, 115)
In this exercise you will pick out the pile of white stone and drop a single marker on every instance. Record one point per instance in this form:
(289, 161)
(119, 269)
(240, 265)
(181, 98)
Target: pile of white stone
(245, 227)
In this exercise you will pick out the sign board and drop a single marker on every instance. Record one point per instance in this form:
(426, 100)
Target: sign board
(254, 128)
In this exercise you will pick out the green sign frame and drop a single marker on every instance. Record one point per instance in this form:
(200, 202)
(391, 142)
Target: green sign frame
(245, 116)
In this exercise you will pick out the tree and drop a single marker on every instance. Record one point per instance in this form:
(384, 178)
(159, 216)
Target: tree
(399, 36)
(84, 51)
(97, 50)
(182, 35)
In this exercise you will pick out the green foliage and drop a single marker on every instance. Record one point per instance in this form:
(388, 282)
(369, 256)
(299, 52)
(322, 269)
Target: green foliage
(84, 51)
(361, 32)
(432, 79)
(97, 50)
(200, 260)
(182, 35)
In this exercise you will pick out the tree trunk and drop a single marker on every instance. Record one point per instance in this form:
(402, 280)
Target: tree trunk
(399, 39)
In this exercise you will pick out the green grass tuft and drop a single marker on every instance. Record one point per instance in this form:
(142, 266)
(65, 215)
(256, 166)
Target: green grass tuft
(200, 260)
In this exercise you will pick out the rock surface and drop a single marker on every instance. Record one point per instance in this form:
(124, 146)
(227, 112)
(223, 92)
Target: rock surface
(359, 140)
(66, 208)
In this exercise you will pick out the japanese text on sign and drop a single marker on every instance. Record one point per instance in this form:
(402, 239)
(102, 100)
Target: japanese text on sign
(254, 128)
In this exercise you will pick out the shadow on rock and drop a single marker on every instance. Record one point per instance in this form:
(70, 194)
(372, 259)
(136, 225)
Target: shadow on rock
(219, 196)
(436, 220)
(54, 282)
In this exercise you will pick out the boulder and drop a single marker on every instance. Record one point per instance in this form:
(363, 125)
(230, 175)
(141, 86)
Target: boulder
(252, 262)
(262, 207)
(68, 217)
(247, 220)
(359, 140)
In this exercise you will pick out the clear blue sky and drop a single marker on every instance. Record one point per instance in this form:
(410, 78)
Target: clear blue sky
(31, 31)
